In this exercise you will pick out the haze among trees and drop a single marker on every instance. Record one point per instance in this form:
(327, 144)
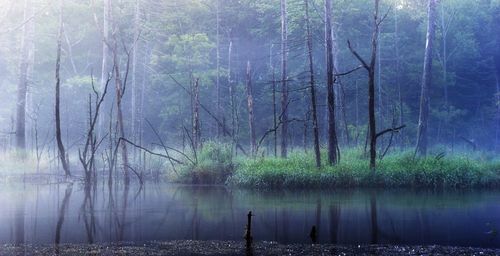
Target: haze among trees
(103, 84)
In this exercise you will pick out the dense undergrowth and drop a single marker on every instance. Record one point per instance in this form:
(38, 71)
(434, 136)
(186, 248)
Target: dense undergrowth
(458, 170)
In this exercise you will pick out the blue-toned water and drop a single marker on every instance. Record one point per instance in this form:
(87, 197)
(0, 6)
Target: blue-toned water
(46, 214)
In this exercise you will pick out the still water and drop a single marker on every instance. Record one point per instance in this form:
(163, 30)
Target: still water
(46, 214)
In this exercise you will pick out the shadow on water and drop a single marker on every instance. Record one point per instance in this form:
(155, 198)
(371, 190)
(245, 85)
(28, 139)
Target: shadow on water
(102, 213)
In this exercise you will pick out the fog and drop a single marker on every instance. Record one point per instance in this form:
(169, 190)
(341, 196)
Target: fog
(163, 46)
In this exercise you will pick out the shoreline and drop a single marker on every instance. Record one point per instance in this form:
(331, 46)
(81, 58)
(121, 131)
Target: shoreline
(192, 247)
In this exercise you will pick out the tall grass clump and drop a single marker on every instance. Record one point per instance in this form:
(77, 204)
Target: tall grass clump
(213, 164)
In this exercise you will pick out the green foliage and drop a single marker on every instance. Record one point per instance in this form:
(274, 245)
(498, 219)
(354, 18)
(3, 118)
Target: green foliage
(214, 165)
(396, 170)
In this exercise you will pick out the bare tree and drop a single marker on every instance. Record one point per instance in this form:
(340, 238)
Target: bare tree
(87, 155)
(251, 117)
(22, 87)
(315, 126)
(196, 115)
(119, 90)
(60, 145)
(284, 78)
(105, 57)
(135, 87)
(370, 67)
(421, 146)
(333, 153)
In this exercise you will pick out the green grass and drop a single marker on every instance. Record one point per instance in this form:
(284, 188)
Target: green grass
(396, 170)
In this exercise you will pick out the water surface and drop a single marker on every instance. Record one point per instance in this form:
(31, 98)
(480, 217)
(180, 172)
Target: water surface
(46, 214)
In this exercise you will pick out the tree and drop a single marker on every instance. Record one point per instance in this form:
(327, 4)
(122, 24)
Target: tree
(284, 78)
(312, 85)
(330, 80)
(22, 87)
(119, 90)
(370, 67)
(105, 56)
(251, 117)
(60, 145)
(423, 119)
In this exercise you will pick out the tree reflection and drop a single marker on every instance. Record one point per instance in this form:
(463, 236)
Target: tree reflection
(62, 214)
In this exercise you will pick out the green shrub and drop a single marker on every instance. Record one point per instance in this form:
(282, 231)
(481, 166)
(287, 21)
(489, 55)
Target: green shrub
(213, 165)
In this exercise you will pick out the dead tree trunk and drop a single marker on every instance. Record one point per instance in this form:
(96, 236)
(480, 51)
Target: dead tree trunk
(398, 80)
(314, 114)
(22, 87)
(135, 87)
(220, 113)
(232, 103)
(104, 65)
(119, 90)
(196, 115)
(60, 145)
(275, 116)
(251, 117)
(284, 84)
(421, 146)
(332, 134)
(370, 67)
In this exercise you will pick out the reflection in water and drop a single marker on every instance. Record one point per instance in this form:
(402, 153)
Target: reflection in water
(88, 213)
(169, 212)
(373, 218)
(62, 214)
(19, 216)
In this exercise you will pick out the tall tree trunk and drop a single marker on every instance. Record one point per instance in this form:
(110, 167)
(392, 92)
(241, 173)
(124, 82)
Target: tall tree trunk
(119, 86)
(370, 67)
(284, 78)
(60, 145)
(275, 115)
(22, 87)
(332, 134)
(371, 90)
(232, 103)
(421, 146)
(135, 87)
(251, 117)
(220, 113)
(101, 127)
(398, 80)
(315, 126)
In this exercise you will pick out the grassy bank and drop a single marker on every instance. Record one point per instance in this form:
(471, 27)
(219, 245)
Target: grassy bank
(458, 170)
(395, 170)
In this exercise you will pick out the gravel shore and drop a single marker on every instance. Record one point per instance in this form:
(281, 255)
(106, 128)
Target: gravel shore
(188, 247)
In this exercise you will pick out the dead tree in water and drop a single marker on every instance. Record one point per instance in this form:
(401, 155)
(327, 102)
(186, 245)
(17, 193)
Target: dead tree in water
(87, 155)
(251, 117)
(60, 145)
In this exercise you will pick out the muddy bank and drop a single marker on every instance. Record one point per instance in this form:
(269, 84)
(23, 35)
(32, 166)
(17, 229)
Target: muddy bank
(188, 247)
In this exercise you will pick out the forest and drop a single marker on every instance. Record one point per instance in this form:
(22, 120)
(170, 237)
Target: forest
(96, 87)
(249, 127)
